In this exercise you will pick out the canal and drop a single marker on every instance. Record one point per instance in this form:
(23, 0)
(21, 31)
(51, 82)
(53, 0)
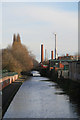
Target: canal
(38, 97)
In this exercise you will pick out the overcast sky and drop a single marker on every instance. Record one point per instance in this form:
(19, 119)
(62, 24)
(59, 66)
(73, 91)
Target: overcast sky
(36, 22)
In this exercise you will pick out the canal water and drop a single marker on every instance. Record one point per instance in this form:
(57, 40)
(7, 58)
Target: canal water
(40, 98)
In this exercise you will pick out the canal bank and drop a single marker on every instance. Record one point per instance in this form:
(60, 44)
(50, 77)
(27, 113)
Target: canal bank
(70, 87)
(9, 92)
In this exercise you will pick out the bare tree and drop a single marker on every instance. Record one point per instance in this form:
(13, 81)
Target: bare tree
(17, 58)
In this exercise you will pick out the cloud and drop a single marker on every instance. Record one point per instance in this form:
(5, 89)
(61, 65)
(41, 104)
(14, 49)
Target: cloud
(33, 15)
(36, 24)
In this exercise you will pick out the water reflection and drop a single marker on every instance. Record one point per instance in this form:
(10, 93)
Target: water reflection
(74, 99)
(74, 102)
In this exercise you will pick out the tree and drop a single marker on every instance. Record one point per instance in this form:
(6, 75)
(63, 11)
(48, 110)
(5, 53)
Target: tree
(17, 58)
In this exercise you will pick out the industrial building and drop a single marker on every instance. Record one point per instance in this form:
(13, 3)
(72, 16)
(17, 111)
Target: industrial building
(61, 66)
(67, 66)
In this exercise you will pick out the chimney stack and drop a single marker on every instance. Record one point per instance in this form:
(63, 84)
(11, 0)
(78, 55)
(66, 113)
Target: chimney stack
(52, 56)
(55, 47)
(45, 55)
(42, 53)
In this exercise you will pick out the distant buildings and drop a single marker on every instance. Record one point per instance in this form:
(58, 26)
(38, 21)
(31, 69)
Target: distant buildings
(68, 57)
(16, 40)
(67, 67)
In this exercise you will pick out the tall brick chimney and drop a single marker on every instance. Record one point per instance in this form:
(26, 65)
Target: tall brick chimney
(52, 55)
(42, 53)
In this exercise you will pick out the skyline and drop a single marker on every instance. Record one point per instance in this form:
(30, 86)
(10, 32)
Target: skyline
(36, 23)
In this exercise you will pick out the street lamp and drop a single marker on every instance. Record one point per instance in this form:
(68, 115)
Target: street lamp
(55, 47)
